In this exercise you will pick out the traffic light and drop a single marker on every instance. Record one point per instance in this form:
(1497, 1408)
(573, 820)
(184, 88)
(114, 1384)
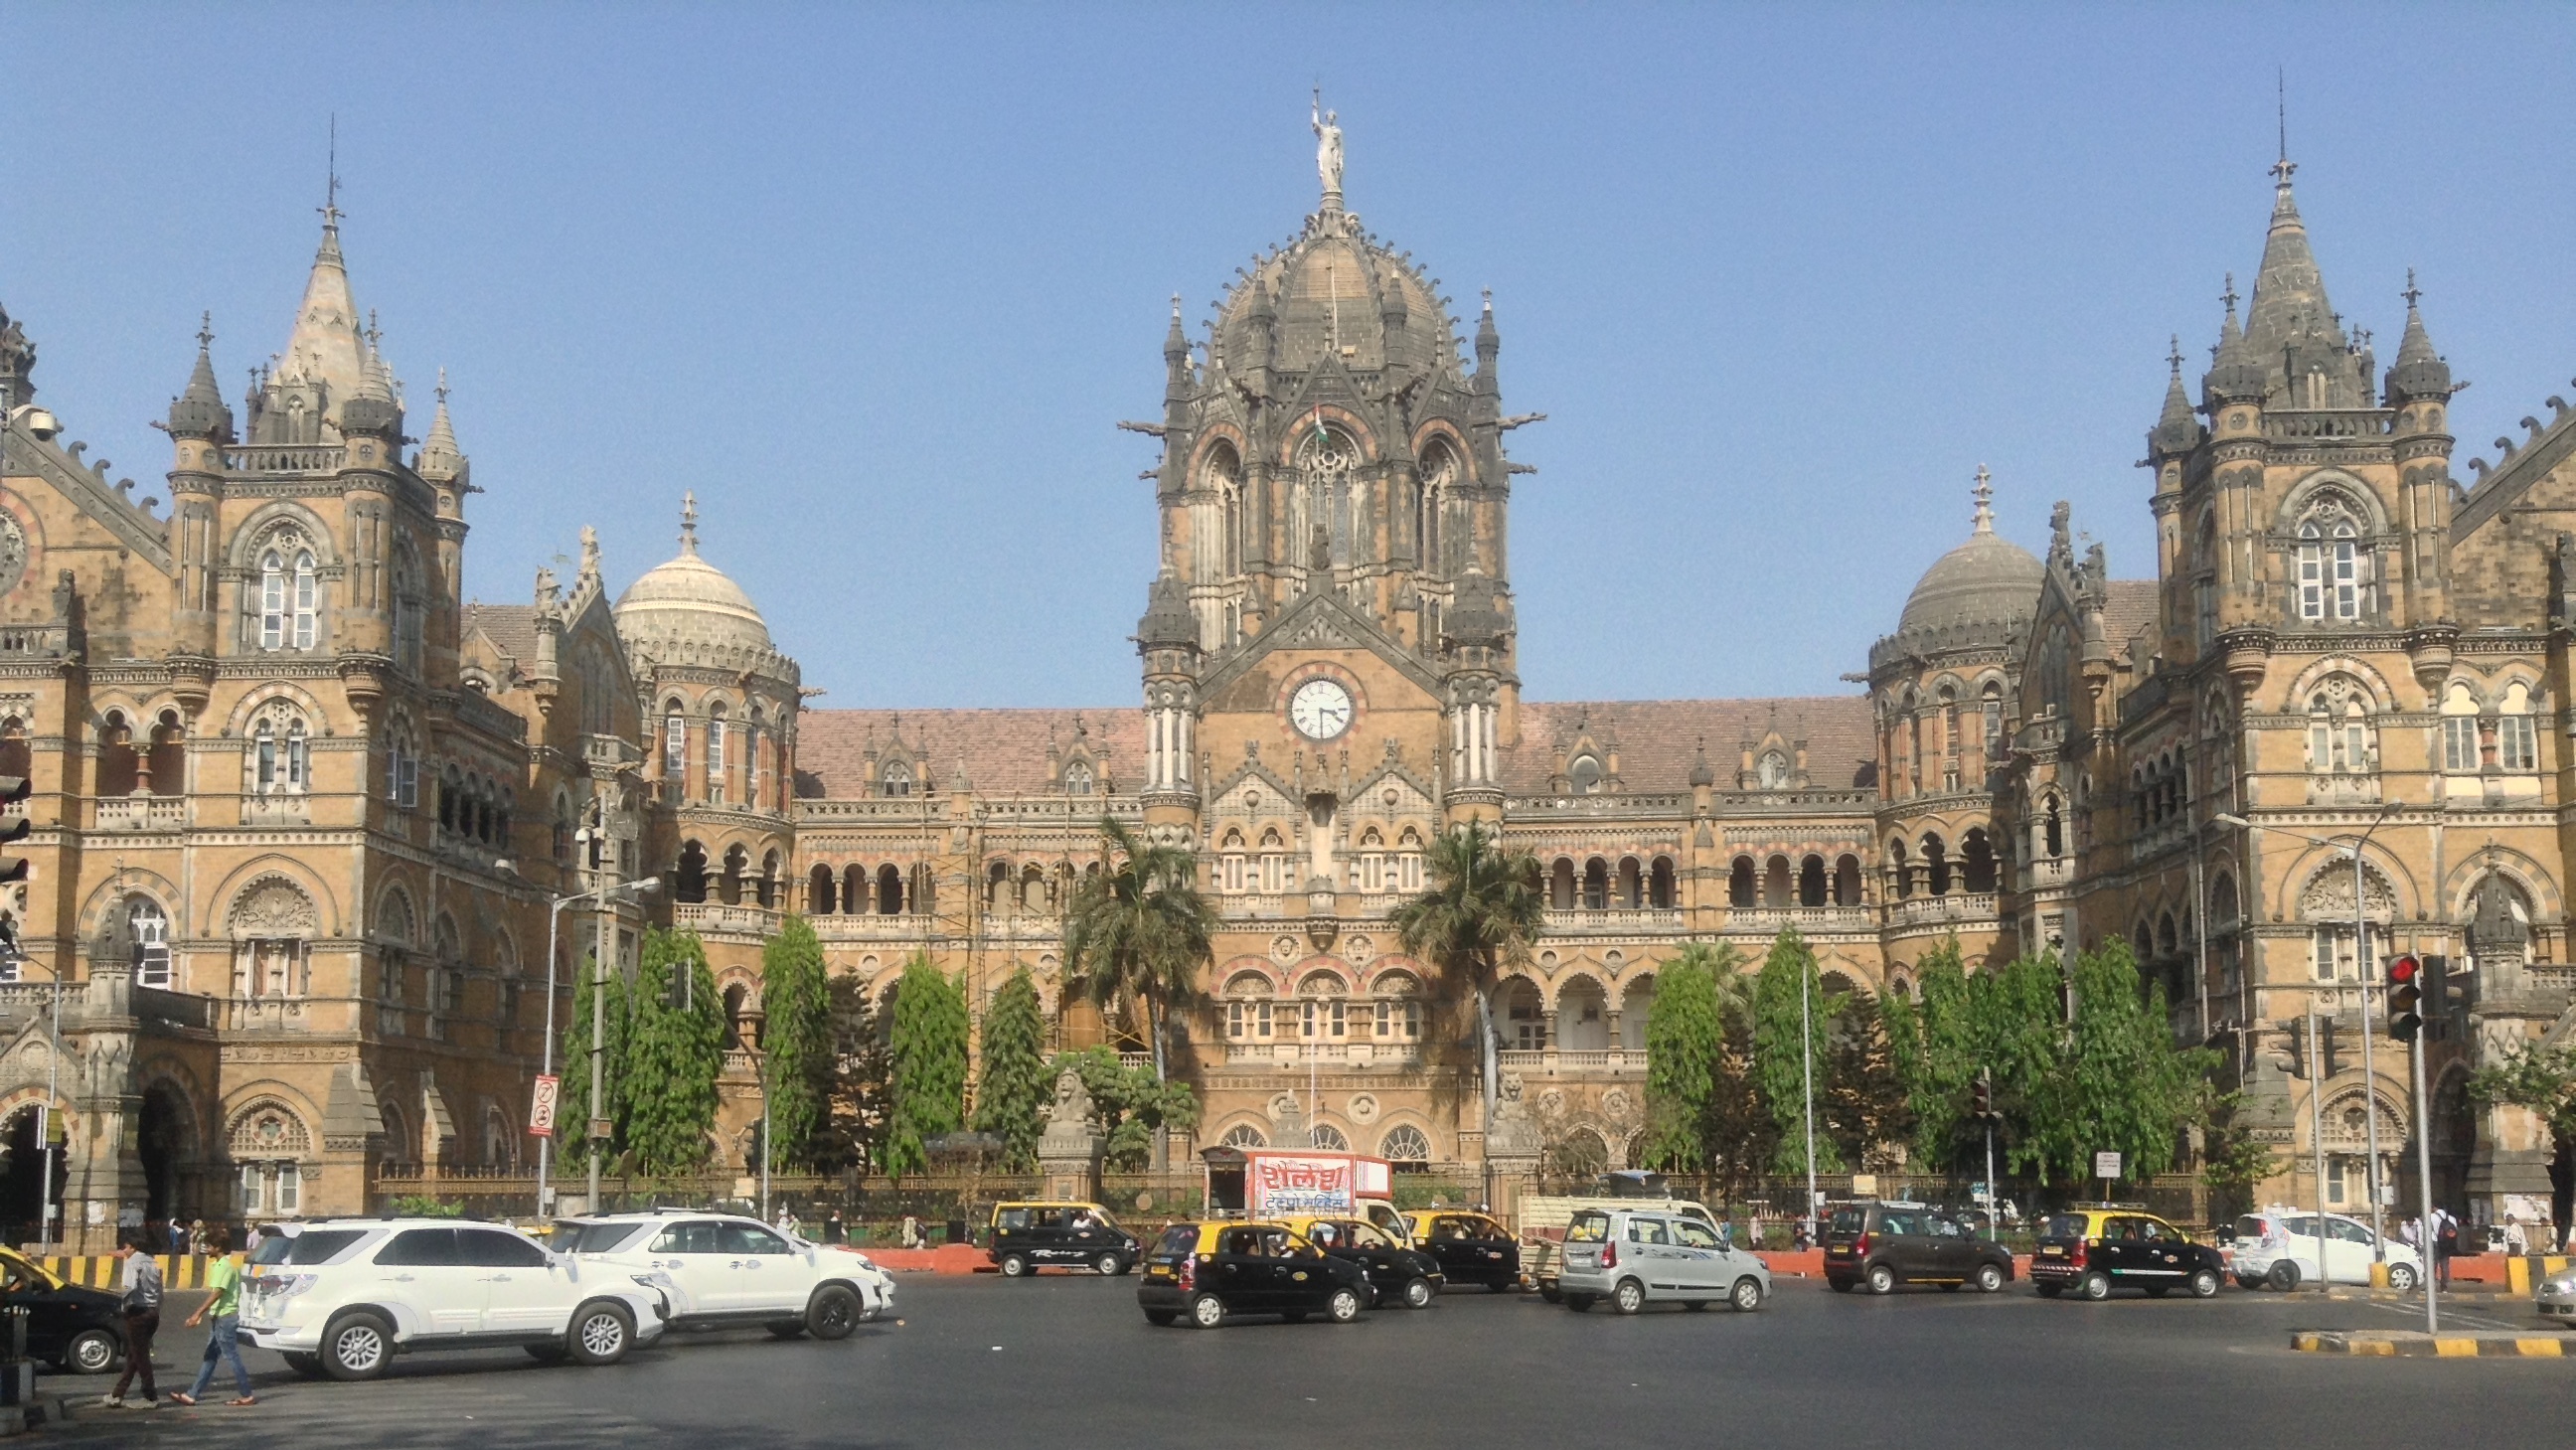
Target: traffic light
(2327, 1066)
(2405, 998)
(2292, 1059)
(2436, 1007)
(14, 828)
(1985, 1092)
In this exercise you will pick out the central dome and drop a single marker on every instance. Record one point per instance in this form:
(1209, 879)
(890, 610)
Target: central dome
(1336, 289)
(687, 606)
(1987, 580)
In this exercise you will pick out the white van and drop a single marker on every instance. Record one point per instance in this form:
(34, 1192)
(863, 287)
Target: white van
(347, 1295)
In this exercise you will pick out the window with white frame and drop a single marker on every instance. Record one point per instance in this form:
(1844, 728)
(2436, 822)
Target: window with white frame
(289, 593)
(280, 758)
(2333, 567)
(2338, 731)
(2330, 954)
(675, 745)
(2517, 730)
(148, 927)
(716, 752)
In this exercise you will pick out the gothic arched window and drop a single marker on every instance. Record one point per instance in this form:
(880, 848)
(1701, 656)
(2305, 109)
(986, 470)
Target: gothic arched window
(2333, 568)
(2338, 730)
(716, 751)
(896, 778)
(1077, 779)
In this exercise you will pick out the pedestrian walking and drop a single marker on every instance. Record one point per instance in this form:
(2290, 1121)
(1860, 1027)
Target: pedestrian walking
(1725, 1229)
(2516, 1240)
(139, 1280)
(911, 1232)
(1753, 1231)
(2411, 1233)
(221, 1313)
(788, 1224)
(197, 1236)
(178, 1237)
(832, 1228)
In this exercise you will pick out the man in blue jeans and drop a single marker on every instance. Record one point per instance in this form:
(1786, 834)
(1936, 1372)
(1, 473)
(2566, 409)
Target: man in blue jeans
(223, 1306)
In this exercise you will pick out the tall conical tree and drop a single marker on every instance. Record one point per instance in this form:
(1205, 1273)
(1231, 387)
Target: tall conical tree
(795, 1041)
(675, 1053)
(927, 1048)
(1781, 1067)
(1011, 1095)
(573, 1111)
(1685, 1055)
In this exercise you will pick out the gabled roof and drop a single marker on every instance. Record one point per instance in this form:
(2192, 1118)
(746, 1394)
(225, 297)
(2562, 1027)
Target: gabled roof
(1004, 751)
(512, 628)
(1658, 740)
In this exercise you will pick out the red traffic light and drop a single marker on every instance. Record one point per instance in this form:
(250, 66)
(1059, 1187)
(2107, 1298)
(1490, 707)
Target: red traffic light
(2403, 970)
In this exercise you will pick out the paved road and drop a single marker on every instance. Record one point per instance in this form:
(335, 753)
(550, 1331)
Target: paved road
(1069, 1362)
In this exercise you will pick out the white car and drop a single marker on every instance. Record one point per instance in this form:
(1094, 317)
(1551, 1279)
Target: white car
(345, 1296)
(725, 1269)
(2277, 1249)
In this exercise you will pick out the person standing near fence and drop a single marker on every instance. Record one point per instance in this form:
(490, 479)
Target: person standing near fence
(139, 1280)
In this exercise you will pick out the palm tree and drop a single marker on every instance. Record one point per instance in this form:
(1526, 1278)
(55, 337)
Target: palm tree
(1139, 932)
(1483, 909)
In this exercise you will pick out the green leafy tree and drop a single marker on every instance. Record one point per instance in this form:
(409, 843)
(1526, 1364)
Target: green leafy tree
(1685, 1056)
(1483, 907)
(795, 1041)
(1785, 995)
(2539, 1080)
(1860, 1098)
(674, 1054)
(573, 1110)
(856, 1084)
(1138, 934)
(1736, 1128)
(1129, 1104)
(1940, 1079)
(927, 1051)
(2233, 1161)
(2118, 1082)
(1011, 1096)
(2018, 1028)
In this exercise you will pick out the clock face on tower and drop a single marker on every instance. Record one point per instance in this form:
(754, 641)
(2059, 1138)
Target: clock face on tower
(1320, 710)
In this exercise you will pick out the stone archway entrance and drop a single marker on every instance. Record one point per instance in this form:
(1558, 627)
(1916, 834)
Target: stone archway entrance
(166, 1141)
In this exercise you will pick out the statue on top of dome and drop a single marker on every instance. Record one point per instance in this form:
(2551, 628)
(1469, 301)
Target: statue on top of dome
(1328, 146)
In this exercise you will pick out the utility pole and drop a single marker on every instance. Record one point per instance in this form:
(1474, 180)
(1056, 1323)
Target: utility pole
(2317, 1136)
(1807, 1064)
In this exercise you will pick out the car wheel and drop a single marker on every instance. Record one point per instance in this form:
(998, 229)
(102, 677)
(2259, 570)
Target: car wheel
(1882, 1279)
(1015, 1266)
(1579, 1303)
(547, 1353)
(2049, 1291)
(356, 1347)
(791, 1329)
(2097, 1286)
(1990, 1279)
(2284, 1275)
(833, 1312)
(1160, 1317)
(1629, 1297)
(1207, 1311)
(1840, 1286)
(1551, 1294)
(1417, 1293)
(2204, 1284)
(92, 1351)
(1344, 1306)
(2401, 1277)
(1109, 1266)
(1746, 1296)
(305, 1364)
(601, 1334)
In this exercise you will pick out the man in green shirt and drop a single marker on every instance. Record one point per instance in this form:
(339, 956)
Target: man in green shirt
(223, 1341)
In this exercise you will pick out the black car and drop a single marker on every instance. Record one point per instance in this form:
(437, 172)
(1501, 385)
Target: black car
(2096, 1248)
(1471, 1247)
(1883, 1244)
(69, 1326)
(1212, 1271)
(1396, 1274)
(1030, 1235)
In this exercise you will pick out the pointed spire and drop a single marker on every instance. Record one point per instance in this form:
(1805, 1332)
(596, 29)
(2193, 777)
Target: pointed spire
(1489, 347)
(1984, 493)
(2420, 371)
(326, 349)
(1702, 773)
(1176, 343)
(689, 523)
(439, 457)
(199, 412)
(2176, 428)
(2234, 375)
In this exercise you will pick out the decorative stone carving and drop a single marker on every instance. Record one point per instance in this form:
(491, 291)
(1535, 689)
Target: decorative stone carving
(1514, 1130)
(273, 907)
(269, 1129)
(2328, 897)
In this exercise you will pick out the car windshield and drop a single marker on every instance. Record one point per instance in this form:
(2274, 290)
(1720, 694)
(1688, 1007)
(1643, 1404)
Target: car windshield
(1364, 1235)
(599, 1238)
(314, 1246)
(1591, 1226)
(2062, 1226)
(273, 1249)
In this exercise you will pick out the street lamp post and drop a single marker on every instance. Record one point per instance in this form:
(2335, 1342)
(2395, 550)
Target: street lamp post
(1807, 1067)
(554, 926)
(2369, 1069)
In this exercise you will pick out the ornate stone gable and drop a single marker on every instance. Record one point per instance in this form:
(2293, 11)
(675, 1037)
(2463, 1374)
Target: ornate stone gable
(1319, 619)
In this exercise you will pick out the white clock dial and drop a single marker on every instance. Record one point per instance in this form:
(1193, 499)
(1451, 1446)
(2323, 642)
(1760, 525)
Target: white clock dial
(1320, 709)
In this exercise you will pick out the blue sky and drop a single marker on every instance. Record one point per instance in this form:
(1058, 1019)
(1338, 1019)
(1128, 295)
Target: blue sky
(878, 282)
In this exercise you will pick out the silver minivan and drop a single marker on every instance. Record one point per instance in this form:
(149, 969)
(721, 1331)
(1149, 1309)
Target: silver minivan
(1634, 1258)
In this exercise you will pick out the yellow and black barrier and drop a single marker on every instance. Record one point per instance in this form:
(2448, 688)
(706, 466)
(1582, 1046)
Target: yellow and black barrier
(2524, 1271)
(101, 1271)
(2400, 1344)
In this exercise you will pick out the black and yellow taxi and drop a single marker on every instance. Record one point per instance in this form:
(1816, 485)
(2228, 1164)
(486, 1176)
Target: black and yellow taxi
(1471, 1248)
(2096, 1248)
(1214, 1271)
(70, 1325)
(1397, 1272)
(1030, 1234)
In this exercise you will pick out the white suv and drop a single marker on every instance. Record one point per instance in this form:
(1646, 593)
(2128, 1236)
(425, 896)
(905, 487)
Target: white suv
(724, 1269)
(2277, 1249)
(347, 1295)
